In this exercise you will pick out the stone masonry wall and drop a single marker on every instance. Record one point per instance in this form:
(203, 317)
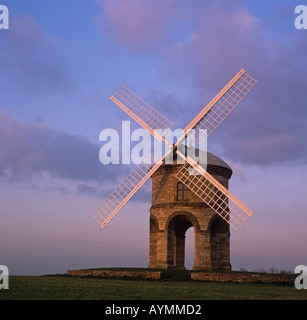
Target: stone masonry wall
(242, 277)
(169, 218)
(116, 273)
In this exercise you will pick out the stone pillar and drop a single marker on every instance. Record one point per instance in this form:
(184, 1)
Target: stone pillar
(153, 238)
(180, 252)
(202, 254)
(162, 250)
(222, 252)
(171, 249)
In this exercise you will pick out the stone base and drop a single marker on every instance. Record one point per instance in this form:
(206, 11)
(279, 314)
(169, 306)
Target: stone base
(243, 277)
(210, 276)
(116, 273)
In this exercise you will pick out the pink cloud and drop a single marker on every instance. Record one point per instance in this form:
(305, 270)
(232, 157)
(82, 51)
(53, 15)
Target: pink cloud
(267, 149)
(138, 24)
(269, 125)
(220, 38)
(238, 171)
(223, 42)
(274, 142)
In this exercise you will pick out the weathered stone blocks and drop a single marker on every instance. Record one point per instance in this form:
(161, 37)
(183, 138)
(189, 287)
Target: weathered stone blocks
(170, 218)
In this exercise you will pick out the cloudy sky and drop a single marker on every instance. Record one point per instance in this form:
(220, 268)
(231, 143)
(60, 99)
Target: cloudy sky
(60, 61)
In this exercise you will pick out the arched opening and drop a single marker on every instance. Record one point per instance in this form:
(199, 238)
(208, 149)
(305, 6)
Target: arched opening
(189, 248)
(176, 248)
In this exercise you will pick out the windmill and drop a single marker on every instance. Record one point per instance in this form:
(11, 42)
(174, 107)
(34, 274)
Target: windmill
(204, 185)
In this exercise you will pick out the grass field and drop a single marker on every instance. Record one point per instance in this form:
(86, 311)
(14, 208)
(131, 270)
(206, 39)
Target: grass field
(62, 287)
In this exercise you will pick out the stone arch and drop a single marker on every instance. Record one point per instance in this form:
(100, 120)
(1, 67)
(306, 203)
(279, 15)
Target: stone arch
(216, 220)
(153, 223)
(176, 227)
(188, 215)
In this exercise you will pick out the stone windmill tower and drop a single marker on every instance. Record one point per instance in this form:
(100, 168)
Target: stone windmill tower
(184, 195)
(175, 209)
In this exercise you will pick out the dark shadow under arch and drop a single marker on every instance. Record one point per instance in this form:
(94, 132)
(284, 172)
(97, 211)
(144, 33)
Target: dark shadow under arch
(184, 215)
(177, 225)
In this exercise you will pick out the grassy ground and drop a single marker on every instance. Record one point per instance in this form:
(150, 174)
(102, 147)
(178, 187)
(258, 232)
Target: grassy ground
(62, 287)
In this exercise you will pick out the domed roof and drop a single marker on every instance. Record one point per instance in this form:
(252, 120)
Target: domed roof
(212, 160)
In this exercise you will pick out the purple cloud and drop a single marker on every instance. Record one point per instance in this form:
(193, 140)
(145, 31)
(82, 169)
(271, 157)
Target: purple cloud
(29, 149)
(32, 57)
(268, 126)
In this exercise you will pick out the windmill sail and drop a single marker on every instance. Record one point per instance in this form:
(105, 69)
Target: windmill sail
(140, 111)
(202, 183)
(150, 119)
(216, 111)
(126, 189)
(214, 194)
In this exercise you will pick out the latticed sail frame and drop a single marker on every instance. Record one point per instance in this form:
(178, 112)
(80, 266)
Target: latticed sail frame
(126, 189)
(140, 111)
(201, 182)
(214, 194)
(151, 120)
(221, 106)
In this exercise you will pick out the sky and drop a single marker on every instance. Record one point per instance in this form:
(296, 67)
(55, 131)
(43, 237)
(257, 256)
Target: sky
(60, 61)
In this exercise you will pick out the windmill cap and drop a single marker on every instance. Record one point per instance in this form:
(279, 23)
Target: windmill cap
(212, 160)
